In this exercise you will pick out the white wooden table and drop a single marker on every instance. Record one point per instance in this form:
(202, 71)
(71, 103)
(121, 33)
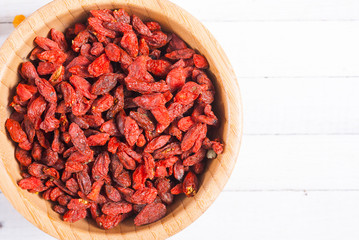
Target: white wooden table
(297, 175)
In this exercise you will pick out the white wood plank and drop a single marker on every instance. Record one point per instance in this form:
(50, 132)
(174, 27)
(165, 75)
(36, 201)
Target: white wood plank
(278, 216)
(296, 163)
(300, 105)
(14, 226)
(245, 215)
(285, 49)
(231, 10)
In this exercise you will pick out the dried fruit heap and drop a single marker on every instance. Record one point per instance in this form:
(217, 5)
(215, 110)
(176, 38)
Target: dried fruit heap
(111, 119)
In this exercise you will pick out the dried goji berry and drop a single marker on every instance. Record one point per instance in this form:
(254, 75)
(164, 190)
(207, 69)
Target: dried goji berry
(46, 44)
(46, 90)
(115, 208)
(131, 131)
(74, 215)
(78, 138)
(140, 27)
(113, 52)
(15, 130)
(99, 66)
(59, 38)
(190, 184)
(151, 213)
(129, 42)
(96, 24)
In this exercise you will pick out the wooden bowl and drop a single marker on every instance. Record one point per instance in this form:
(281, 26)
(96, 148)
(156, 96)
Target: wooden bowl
(60, 14)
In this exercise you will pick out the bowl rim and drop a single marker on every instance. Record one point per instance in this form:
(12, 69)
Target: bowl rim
(160, 229)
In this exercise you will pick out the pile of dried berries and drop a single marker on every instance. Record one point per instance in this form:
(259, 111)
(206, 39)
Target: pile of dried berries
(99, 133)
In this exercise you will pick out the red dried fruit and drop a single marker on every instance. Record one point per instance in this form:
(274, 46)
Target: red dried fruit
(180, 54)
(82, 85)
(74, 215)
(113, 52)
(46, 44)
(115, 208)
(23, 157)
(129, 42)
(98, 139)
(112, 193)
(46, 90)
(143, 48)
(141, 141)
(28, 72)
(144, 196)
(52, 56)
(103, 14)
(59, 209)
(97, 49)
(121, 16)
(168, 151)
(31, 183)
(139, 177)
(72, 185)
(196, 158)
(143, 120)
(110, 128)
(127, 161)
(188, 93)
(102, 104)
(140, 27)
(200, 61)
(25, 92)
(84, 181)
(78, 204)
(57, 76)
(131, 131)
(153, 26)
(151, 213)
(81, 105)
(101, 166)
(176, 78)
(50, 123)
(144, 87)
(162, 116)
(176, 43)
(190, 184)
(59, 38)
(15, 130)
(108, 222)
(178, 189)
(185, 123)
(157, 143)
(150, 101)
(36, 151)
(95, 191)
(96, 24)
(69, 94)
(78, 138)
(99, 66)
(118, 27)
(158, 67)
(156, 40)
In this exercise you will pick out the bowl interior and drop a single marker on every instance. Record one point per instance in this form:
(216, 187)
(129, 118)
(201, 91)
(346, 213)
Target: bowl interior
(62, 14)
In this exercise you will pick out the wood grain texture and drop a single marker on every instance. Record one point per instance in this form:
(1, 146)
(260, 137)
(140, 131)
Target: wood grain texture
(60, 14)
(296, 162)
